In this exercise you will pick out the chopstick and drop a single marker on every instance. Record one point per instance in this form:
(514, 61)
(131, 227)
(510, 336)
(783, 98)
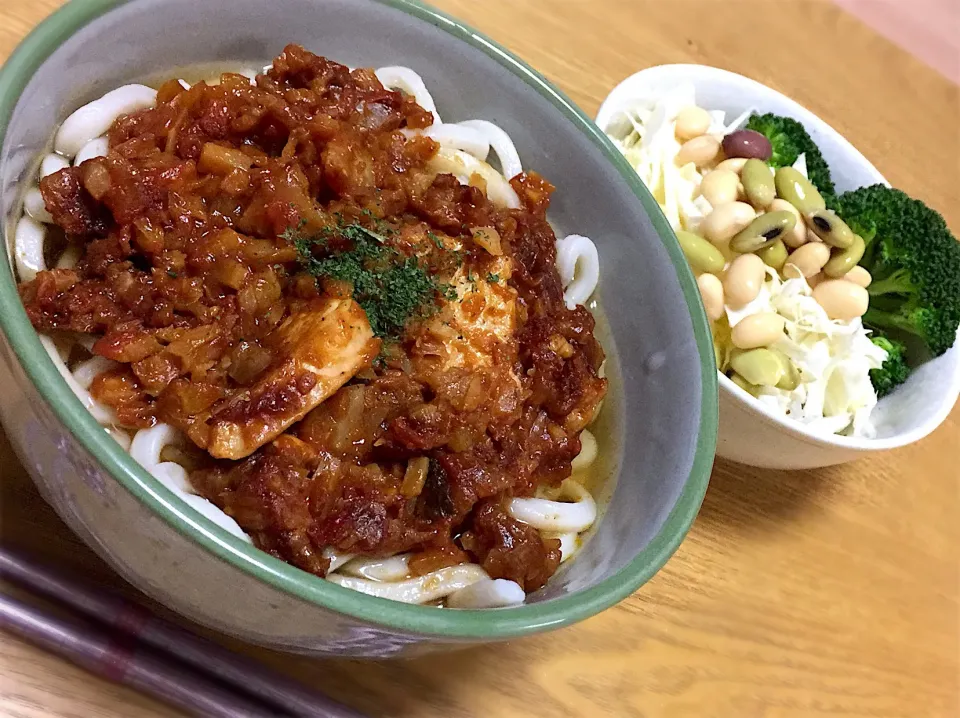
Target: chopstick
(137, 623)
(124, 664)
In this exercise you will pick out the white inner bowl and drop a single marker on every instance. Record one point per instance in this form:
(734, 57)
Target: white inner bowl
(917, 407)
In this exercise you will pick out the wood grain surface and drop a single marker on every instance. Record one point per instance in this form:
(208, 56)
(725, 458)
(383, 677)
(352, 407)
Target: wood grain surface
(797, 594)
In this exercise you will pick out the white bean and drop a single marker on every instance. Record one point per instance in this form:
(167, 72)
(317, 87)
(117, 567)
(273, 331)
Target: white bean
(757, 330)
(797, 236)
(859, 276)
(743, 280)
(700, 151)
(720, 187)
(734, 164)
(35, 206)
(726, 220)
(52, 164)
(94, 119)
(96, 147)
(691, 122)
(711, 290)
(841, 299)
(807, 260)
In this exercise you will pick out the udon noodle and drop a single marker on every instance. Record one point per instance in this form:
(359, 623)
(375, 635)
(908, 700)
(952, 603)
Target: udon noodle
(565, 512)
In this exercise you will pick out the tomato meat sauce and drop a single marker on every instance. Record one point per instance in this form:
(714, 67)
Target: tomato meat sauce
(364, 354)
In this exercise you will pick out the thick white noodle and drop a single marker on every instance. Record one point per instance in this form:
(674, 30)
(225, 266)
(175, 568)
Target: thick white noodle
(96, 147)
(463, 166)
(103, 415)
(408, 81)
(569, 543)
(87, 371)
(70, 257)
(423, 589)
(336, 558)
(35, 206)
(557, 516)
(588, 452)
(52, 164)
(395, 568)
(488, 593)
(28, 238)
(95, 118)
(579, 266)
(501, 143)
(457, 138)
(145, 449)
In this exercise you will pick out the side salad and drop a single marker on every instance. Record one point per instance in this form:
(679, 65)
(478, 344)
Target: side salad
(820, 303)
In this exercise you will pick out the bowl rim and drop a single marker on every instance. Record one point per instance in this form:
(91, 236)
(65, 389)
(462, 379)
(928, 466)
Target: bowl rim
(465, 624)
(805, 116)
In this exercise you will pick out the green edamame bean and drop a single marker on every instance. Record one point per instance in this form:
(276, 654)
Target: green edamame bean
(763, 231)
(831, 229)
(844, 260)
(774, 255)
(751, 389)
(758, 183)
(701, 255)
(758, 366)
(791, 377)
(797, 190)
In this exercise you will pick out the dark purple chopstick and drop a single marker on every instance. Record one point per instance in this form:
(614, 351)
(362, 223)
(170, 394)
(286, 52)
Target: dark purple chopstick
(127, 664)
(136, 622)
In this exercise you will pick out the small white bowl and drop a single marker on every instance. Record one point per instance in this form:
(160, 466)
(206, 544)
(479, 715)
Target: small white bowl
(750, 433)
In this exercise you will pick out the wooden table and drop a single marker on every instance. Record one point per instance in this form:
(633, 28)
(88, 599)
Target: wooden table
(797, 594)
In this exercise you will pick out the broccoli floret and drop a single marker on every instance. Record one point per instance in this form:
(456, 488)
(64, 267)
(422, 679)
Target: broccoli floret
(915, 264)
(894, 370)
(789, 140)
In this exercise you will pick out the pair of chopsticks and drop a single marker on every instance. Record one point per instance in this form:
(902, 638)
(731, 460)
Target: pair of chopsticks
(129, 645)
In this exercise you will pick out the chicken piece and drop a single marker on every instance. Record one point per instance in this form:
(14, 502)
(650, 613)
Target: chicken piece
(317, 351)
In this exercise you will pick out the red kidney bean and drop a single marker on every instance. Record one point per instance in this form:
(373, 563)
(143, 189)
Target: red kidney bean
(747, 143)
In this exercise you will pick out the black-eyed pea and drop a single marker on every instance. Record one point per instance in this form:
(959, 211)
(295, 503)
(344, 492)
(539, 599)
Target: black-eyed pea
(733, 164)
(691, 122)
(831, 229)
(797, 236)
(700, 151)
(757, 330)
(807, 260)
(841, 299)
(743, 280)
(843, 260)
(726, 221)
(711, 291)
(766, 229)
(720, 187)
(859, 276)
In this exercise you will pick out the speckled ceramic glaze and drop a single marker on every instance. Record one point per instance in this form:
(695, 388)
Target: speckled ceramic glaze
(662, 417)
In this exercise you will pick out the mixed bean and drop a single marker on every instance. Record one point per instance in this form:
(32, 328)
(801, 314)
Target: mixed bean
(760, 219)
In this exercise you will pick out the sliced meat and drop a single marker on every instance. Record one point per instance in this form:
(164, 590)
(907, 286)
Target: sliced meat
(318, 350)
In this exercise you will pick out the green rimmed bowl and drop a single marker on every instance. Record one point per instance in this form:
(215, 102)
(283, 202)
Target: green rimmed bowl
(661, 415)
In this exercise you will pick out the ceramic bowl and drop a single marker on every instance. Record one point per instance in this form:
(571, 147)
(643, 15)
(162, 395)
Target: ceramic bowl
(660, 416)
(751, 433)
